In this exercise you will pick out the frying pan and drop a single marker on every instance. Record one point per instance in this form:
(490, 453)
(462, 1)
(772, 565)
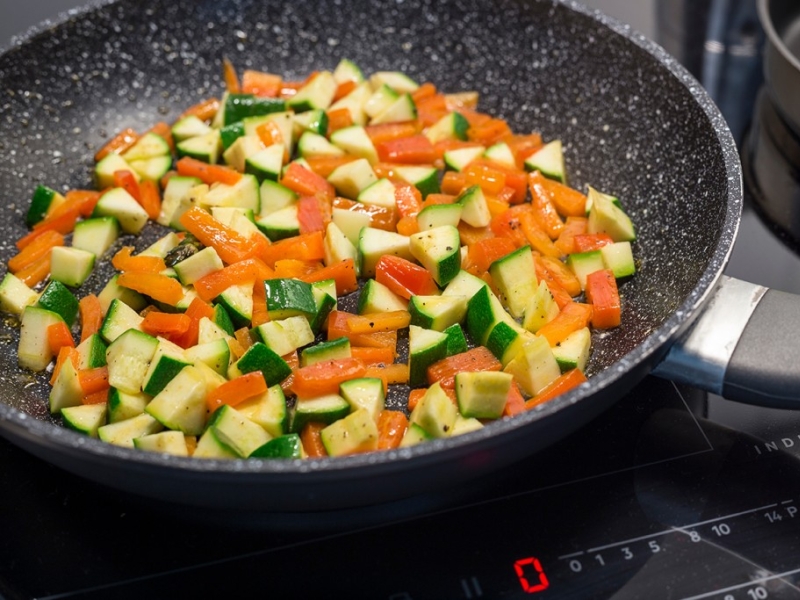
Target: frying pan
(635, 124)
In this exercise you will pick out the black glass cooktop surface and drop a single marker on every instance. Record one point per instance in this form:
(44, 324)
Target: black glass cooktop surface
(669, 494)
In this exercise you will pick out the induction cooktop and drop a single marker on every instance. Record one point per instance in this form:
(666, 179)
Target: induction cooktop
(671, 493)
(655, 498)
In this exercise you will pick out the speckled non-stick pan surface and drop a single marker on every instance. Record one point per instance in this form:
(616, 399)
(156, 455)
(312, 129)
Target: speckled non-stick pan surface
(634, 124)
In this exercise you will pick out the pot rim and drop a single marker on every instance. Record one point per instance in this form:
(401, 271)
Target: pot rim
(775, 40)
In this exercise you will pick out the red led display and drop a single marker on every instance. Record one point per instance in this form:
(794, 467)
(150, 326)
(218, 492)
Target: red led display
(531, 575)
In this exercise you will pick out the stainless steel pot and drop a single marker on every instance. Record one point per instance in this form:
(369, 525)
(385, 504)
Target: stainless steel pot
(781, 22)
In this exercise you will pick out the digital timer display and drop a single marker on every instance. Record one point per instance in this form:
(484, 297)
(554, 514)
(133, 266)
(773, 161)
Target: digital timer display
(531, 575)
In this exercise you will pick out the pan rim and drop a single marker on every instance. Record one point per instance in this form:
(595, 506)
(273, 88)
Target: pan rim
(17, 424)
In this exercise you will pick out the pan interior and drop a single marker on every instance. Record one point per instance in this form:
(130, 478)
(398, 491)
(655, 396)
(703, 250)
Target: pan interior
(631, 126)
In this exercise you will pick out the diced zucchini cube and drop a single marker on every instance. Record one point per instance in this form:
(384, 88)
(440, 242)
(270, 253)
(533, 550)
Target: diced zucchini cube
(284, 446)
(330, 350)
(120, 204)
(435, 413)
(70, 266)
(316, 94)
(95, 235)
(350, 179)
(482, 395)
(425, 347)
(377, 298)
(181, 403)
(33, 351)
(268, 410)
(338, 246)
(289, 298)
(85, 418)
(260, 358)
(357, 432)
(452, 126)
(374, 243)
(437, 312)
(44, 200)
(549, 160)
(66, 390)
(515, 278)
(169, 359)
(355, 141)
(129, 357)
(284, 336)
(475, 209)
(402, 109)
(534, 367)
(438, 215)
(364, 393)
(439, 251)
(15, 295)
(573, 351)
(606, 217)
(122, 433)
(119, 318)
(57, 298)
(541, 309)
(165, 442)
(323, 409)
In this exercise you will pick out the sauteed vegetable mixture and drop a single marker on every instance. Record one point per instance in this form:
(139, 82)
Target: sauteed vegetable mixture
(444, 230)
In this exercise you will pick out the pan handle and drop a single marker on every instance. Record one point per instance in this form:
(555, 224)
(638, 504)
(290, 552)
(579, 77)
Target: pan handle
(745, 346)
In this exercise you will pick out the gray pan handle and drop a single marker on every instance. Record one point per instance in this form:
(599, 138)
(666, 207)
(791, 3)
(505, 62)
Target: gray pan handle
(745, 346)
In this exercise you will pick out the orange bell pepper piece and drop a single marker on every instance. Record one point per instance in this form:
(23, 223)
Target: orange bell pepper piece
(312, 440)
(307, 183)
(603, 295)
(344, 273)
(126, 181)
(324, 377)
(339, 118)
(379, 322)
(93, 380)
(261, 84)
(38, 248)
(392, 131)
(119, 144)
(35, 272)
(392, 426)
(150, 198)
(156, 286)
(477, 359)
(564, 383)
(124, 261)
(91, 313)
(191, 167)
(204, 110)
(168, 325)
(246, 271)
(307, 246)
(59, 336)
(573, 316)
(230, 245)
(230, 76)
(237, 390)
(415, 149)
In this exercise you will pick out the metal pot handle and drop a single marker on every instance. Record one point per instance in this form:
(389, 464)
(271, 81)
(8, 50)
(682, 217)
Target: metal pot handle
(745, 346)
